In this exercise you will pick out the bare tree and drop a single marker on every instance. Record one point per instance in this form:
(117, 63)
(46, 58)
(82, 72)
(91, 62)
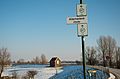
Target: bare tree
(107, 46)
(15, 75)
(21, 61)
(4, 59)
(91, 55)
(102, 47)
(25, 76)
(31, 74)
(111, 48)
(36, 60)
(118, 57)
(43, 59)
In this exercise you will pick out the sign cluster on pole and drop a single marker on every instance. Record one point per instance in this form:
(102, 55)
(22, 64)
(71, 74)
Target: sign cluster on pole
(82, 27)
(81, 20)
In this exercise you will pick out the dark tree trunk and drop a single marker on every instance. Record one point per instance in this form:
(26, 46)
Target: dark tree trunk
(104, 63)
(1, 72)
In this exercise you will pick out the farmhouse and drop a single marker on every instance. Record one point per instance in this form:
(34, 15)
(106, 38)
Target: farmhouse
(55, 62)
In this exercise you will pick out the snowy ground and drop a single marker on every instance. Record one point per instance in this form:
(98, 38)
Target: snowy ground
(45, 72)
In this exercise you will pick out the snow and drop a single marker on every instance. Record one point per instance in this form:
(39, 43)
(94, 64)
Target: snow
(111, 76)
(43, 71)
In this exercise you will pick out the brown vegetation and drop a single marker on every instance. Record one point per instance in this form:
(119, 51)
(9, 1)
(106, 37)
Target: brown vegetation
(36, 60)
(107, 51)
(4, 59)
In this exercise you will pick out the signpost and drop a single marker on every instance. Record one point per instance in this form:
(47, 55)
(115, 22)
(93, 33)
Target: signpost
(82, 27)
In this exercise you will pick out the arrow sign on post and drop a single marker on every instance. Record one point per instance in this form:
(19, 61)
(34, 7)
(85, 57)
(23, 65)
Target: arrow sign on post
(77, 20)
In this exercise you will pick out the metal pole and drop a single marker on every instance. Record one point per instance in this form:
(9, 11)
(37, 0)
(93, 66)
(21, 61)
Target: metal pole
(83, 57)
(80, 1)
(83, 52)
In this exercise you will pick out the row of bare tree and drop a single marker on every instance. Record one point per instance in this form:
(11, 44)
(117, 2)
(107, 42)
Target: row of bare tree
(106, 53)
(37, 60)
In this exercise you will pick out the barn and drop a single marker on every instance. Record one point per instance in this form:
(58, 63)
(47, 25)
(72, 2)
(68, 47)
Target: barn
(55, 62)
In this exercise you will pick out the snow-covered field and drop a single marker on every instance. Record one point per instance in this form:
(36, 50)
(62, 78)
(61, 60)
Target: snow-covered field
(46, 72)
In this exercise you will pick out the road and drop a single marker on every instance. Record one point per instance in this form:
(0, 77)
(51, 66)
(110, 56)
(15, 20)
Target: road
(116, 72)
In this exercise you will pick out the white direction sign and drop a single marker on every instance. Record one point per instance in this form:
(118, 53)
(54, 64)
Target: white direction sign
(77, 20)
(82, 30)
(81, 10)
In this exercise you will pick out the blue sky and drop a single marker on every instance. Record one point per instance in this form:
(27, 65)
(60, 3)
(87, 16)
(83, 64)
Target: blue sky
(29, 28)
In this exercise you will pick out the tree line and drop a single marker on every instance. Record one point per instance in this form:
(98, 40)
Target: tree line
(37, 60)
(106, 53)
